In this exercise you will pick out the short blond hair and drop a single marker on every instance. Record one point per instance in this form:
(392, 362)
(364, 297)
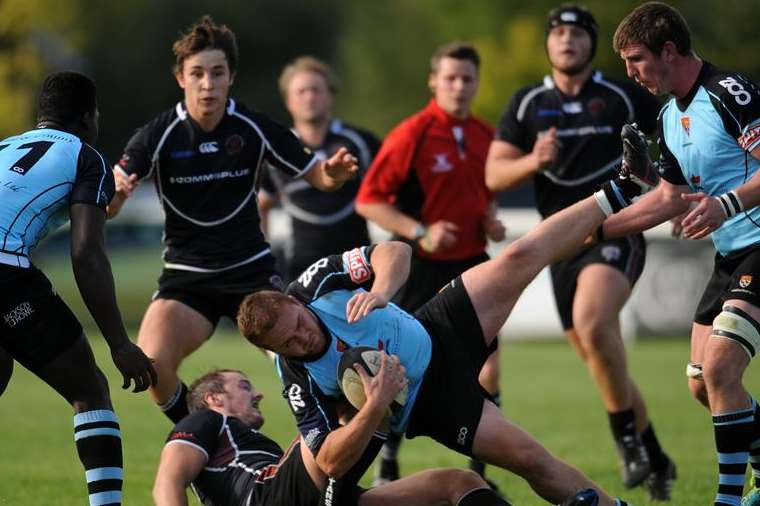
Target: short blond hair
(307, 64)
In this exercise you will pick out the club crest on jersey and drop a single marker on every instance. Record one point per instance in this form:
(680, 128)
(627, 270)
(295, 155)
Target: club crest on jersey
(686, 124)
(234, 144)
(595, 106)
(357, 266)
(745, 280)
(442, 163)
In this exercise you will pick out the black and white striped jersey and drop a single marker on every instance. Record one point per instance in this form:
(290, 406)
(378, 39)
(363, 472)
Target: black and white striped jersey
(239, 459)
(588, 126)
(325, 222)
(207, 182)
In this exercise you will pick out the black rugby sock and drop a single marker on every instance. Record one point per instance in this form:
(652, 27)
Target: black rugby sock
(98, 441)
(656, 456)
(176, 407)
(623, 425)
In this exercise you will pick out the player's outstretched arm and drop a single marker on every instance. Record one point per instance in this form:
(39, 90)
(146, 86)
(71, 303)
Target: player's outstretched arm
(329, 175)
(92, 272)
(125, 185)
(391, 263)
(344, 446)
(180, 465)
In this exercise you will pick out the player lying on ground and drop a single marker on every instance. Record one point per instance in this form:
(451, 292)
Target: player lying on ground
(219, 450)
(342, 301)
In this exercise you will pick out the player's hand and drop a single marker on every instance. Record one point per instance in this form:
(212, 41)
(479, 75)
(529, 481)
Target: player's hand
(707, 216)
(546, 148)
(390, 379)
(134, 366)
(124, 184)
(341, 166)
(362, 303)
(494, 228)
(440, 235)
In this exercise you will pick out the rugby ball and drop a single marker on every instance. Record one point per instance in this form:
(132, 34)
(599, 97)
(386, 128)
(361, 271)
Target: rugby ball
(351, 383)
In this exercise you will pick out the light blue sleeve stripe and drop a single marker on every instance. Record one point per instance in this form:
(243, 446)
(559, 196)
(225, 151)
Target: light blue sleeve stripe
(733, 458)
(728, 499)
(104, 473)
(98, 415)
(104, 431)
(732, 479)
(101, 498)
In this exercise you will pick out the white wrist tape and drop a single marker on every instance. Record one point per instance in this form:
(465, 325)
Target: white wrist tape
(731, 203)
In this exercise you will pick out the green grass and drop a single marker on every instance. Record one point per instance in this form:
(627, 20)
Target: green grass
(545, 389)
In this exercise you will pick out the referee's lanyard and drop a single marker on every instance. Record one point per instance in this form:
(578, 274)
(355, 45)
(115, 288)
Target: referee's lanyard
(458, 132)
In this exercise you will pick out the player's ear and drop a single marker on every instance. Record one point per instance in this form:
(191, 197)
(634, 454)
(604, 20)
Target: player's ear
(213, 400)
(180, 78)
(232, 78)
(431, 82)
(669, 52)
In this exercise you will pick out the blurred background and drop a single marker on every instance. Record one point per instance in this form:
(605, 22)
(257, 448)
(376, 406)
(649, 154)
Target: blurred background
(380, 50)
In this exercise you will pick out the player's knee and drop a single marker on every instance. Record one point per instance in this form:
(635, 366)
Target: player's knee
(459, 482)
(698, 390)
(594, 331)
(531, 462)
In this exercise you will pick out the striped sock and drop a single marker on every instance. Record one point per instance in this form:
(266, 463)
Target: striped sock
(733, 433)
(176, 407)
(754, 448)
(98, 441)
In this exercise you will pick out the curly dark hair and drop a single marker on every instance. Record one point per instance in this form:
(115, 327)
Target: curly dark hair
(203, 35)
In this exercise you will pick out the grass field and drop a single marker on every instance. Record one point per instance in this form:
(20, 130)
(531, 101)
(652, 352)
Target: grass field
(545, 389)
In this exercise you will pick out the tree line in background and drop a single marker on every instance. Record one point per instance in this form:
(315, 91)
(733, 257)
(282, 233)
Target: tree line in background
(380, 50)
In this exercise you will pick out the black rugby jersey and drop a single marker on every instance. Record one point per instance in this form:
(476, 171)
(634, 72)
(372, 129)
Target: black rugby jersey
(207, 182)
(325, 222)
(240, 460)
(588, 126)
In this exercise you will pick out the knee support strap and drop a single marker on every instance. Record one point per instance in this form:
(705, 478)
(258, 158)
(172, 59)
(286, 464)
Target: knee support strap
(734, 323)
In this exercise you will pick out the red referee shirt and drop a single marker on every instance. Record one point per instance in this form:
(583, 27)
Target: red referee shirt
(432, 166)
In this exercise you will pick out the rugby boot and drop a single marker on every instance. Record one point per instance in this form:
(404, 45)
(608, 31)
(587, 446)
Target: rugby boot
(634, 461)
(752, 498)
(659, 483)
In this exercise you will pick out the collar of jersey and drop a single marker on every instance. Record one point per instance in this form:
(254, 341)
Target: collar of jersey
(685, 102)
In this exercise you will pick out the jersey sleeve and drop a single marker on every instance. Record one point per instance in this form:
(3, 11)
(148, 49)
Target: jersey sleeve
(347, 271)
(314, 411)
(138, 154)
(670, 169)
(737, 100)
(283, 150)
(94, 183)
(266, 180)
(390, 167)
(200, 430)
(511, 128)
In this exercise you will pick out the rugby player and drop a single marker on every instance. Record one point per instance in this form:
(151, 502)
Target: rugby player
(561, 134)
(427, 187)
(204, 155)
(219, 450)
(48, 176)
(342, 301)
(321, 223)
(709, 139)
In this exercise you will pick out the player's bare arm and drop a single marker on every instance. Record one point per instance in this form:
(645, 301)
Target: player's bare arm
(508, 166)
(657, 206)
(344, 446)
(92, 272)
(710, 212)
(390, 262)
(330, 174)
(180, 465)
(125, 185)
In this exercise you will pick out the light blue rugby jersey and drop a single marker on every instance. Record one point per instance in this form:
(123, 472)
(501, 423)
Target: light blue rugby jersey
(705, 141)
(42, 173)
(311, 384)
